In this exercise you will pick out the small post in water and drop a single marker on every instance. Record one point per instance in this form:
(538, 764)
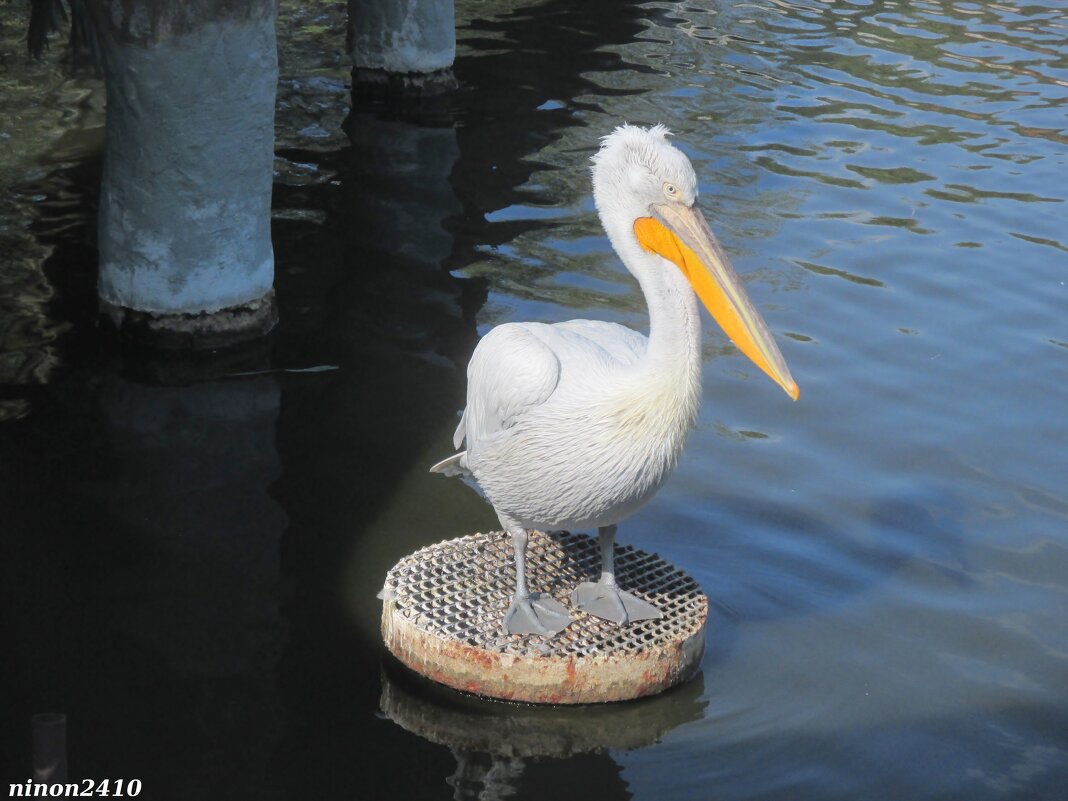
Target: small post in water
(49, 747)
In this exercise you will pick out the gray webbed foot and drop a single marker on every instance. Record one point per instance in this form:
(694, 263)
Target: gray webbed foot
(536, 614)
(612, 604)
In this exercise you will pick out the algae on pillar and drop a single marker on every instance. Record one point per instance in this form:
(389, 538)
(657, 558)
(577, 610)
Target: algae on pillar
(403, 46)
(185, 207)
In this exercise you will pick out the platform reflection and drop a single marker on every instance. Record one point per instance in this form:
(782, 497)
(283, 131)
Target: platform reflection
(504, 750)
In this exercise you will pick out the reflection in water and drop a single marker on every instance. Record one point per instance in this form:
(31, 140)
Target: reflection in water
(159, 571)
(47, 118)
(34, 313)
(188, 468)
(500, 748)
(379, 306)
(198, 595)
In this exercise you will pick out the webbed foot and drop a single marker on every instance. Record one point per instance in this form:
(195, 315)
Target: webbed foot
(612, 604)
(537, 613)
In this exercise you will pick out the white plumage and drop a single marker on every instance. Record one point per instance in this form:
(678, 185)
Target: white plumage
(576, 425)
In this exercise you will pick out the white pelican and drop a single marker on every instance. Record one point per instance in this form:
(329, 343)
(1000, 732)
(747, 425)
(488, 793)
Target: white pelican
(576, 425)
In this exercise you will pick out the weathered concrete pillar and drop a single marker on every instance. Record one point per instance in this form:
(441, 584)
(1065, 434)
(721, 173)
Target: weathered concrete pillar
(185, 208)
(403, 46)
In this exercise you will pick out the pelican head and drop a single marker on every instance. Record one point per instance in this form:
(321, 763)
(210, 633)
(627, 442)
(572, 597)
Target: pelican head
(645, 190)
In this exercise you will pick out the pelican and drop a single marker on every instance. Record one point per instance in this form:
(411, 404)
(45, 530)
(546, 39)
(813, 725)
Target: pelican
(576, 425)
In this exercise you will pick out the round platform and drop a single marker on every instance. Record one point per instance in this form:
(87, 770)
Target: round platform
(444, 605)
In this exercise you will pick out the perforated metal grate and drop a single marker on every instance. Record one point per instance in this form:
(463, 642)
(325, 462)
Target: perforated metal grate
(460, 589)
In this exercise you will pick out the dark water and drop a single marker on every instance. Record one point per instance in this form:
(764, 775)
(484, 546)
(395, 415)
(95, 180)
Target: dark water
(189, 551)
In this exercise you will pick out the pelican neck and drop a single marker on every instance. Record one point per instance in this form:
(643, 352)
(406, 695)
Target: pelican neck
(674, 320)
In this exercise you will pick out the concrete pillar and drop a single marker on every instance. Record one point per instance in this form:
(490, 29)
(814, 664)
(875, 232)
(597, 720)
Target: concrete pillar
(185, 208)
(402, 46)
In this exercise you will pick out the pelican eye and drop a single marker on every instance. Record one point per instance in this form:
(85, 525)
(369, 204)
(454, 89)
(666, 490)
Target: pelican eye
(671, 191)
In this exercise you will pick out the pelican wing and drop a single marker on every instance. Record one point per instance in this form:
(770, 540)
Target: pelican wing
(511, 372)
(516, 368)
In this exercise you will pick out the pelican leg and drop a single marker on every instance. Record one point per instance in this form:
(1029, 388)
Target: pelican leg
(603, 598)
(531, 613)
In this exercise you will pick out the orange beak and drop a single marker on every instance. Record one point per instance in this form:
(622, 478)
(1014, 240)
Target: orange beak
(681, 235)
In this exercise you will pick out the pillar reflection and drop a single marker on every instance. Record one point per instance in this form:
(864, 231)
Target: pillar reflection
(192, 598)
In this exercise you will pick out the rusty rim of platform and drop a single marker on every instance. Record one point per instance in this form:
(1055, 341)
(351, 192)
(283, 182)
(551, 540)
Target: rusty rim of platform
(444, 605)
